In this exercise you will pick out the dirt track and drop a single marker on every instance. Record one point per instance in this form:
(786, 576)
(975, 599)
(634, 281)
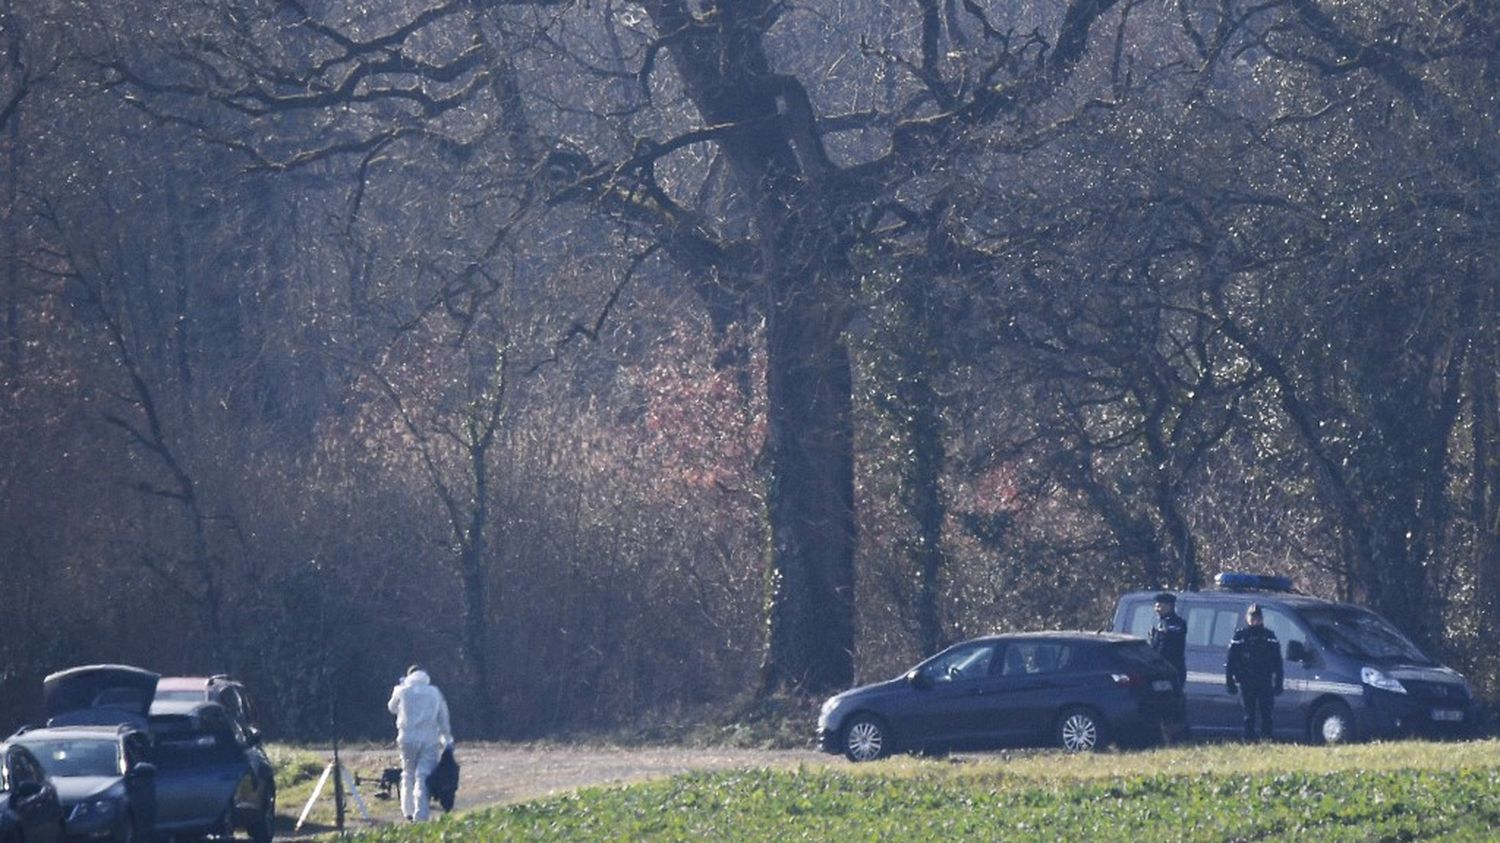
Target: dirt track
(498, 774)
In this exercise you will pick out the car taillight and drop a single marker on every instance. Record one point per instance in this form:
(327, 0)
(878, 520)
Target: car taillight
(1127, 680)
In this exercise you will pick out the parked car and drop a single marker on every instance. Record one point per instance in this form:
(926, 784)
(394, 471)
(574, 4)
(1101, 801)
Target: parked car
(1349, 674)
(219, 688)
(104, 782)
(30, 811)
(212, 776)
(1077, 690)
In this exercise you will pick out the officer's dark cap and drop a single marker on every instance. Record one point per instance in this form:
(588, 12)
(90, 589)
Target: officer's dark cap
(1166, 597)
(1253, 611)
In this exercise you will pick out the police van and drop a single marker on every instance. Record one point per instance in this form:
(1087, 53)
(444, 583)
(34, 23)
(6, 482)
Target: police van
(1349, 674)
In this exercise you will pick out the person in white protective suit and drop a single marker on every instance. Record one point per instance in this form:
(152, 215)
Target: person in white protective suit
(422, 731)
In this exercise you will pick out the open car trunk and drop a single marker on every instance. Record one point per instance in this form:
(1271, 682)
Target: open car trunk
(98, 694)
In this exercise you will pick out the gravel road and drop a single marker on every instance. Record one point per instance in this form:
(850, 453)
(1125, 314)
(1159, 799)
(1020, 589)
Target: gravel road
(499, 774)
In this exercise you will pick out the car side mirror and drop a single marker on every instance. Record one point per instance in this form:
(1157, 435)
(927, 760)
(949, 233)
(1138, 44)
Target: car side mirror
(919, 679)
(1298, 652)
(143, 768)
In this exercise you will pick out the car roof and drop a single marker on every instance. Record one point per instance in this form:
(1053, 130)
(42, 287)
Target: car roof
(1244, 595)
(1058, 635)
(100, 731)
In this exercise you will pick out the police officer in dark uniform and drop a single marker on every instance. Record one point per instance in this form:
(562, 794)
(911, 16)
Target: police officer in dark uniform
(1254, 664)
(1169, 635)
(1169, 639)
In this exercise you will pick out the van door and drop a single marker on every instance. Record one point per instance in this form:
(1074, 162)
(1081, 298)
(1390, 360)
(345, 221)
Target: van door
(1211, 708)
(1291, 710)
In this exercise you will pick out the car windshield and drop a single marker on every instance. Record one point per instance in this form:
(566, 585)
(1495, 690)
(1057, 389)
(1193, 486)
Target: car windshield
(78, 757)
(1363, 635)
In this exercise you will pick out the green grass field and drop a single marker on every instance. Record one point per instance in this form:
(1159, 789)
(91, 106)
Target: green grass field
(1389, 791)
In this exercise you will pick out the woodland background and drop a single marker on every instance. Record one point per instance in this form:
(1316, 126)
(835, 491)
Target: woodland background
(623, 361)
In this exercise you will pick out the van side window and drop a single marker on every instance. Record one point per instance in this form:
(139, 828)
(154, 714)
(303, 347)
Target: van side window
(1285, 628)
(1200, 624)
(1142, 618)
(1226, 621)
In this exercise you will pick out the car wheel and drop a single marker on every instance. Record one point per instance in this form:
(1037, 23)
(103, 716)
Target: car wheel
(1079, 729)
(866, 738)
(263, 828)
(1331, 723)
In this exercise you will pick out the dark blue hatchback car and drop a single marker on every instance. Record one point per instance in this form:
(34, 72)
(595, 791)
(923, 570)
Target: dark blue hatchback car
(1076, 690)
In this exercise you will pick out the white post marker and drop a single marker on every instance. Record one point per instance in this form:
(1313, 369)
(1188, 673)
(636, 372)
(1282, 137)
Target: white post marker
(352, 790)
(317, 791)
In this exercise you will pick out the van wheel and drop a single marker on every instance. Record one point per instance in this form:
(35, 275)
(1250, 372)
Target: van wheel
(1332, 723)
(866, 739)
(1080, 729)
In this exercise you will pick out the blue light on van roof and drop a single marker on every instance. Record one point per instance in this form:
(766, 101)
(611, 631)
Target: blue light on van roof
(1255, 582)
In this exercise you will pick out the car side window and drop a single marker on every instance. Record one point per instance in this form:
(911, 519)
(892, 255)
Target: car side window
(137, 749)
(1031, 657)
(962, 664)
(23, 770)
(230, 699)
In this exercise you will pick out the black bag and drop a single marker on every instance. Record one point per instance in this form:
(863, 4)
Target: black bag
(442, 782)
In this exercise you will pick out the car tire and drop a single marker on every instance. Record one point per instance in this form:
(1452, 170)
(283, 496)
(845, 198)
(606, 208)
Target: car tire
(1080, 729)
(263, 828)
(1331, 723)
(866, 738)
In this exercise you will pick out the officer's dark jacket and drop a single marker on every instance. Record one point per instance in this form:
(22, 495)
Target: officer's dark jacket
(1254, 658)
(1169, 638)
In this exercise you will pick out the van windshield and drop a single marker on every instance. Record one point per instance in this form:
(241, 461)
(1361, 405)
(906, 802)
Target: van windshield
(1362, 635)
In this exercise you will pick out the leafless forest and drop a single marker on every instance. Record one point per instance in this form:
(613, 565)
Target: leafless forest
(623, 360)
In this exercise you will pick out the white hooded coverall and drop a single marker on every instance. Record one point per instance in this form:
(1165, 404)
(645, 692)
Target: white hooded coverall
(422, 731)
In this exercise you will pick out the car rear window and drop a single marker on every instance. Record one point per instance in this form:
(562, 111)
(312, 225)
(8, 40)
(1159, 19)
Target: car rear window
(181, 741)
(181, 696)
(1137, 654)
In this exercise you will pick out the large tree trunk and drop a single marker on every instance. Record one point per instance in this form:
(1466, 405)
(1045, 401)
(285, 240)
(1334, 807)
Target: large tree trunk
(810, 611)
